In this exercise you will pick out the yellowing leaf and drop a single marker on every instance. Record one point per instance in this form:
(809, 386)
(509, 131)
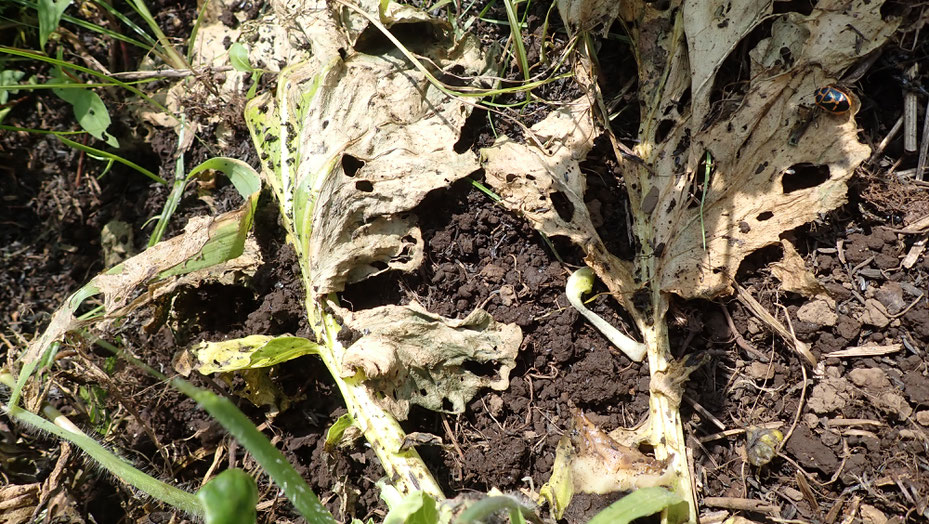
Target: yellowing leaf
(587, 460)
(253, 351)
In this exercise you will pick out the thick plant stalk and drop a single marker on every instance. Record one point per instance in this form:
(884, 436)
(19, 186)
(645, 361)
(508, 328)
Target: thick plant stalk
(277, 143)
(666, 429)
(405, 468)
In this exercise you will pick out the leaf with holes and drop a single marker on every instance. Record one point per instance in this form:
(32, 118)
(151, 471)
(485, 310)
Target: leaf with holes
(731, 153)
(352, 145)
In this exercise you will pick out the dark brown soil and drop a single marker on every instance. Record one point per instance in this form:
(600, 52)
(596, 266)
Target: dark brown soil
(859, 424)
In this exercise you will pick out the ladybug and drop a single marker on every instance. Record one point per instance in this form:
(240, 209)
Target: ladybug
(833, 100)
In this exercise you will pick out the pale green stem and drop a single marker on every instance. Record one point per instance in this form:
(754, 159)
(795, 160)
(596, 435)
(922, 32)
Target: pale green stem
(581, 282)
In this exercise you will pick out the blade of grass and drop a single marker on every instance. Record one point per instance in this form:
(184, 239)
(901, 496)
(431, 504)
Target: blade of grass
(638, 504)
(70, 85)
(5, 127)
(111, 156)
(174, 198)
(478, 93)
(89, 26)
(706, 181)
(195, 30)
(174, 59)
(32, 55)
(517, 36)
(123, 470)
(272, 461)
(126, 21)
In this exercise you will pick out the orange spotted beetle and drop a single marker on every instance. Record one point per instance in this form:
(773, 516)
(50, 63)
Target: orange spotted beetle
(833, 99)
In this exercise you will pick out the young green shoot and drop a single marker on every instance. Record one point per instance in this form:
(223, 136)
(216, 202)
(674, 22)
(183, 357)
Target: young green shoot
(580, 283)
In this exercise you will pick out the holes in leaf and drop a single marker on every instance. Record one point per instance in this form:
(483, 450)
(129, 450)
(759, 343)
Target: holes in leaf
(563, 206)
(454, 76)
(684, 102)
(702, 179)
(664, 127)
(364, 186)
(804, 7)
(660, 5)
(417, 37)
(351, 165)
(804, 176)
(379, 265)
(894, 10)
(487, 370)
(767, 215)
(732, 78)
(787, 58)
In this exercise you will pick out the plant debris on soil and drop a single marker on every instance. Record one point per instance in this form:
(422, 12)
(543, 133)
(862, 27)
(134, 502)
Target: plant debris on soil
(856, 438)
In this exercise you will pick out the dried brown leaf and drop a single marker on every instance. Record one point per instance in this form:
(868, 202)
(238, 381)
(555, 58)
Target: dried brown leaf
(417, 357)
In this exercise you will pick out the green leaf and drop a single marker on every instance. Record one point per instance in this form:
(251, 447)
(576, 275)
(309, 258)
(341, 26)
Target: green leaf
(89, 109)
(8, 77)
(110, 157)
(253, 351)
(484, 509)
(238, 56)
(245, 179)
(337, 429)
(415, 508)
(50, 12)
(271, 460)
(114, 465)
(230, 498)
(639, 503)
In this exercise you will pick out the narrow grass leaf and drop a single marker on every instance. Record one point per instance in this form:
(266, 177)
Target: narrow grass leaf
(110, 156)
(484, 509)
(171, 56)
(230, 498)
(270, 459)
(152, 487)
